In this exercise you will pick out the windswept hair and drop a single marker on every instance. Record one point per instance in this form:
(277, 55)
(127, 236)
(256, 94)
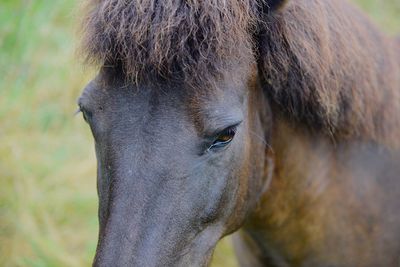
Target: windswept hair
(190, 40)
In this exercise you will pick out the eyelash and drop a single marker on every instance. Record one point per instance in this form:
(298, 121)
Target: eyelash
(85, 114)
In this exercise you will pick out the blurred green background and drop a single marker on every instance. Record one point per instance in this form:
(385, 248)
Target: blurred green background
(48, 202)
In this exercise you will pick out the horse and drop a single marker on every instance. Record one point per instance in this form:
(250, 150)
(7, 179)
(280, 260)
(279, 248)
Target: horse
(278, 121)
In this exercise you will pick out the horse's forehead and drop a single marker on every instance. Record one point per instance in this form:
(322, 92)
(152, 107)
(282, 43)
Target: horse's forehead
(233, 81)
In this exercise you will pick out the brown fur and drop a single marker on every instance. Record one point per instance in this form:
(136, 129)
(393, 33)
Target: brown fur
(333, 204)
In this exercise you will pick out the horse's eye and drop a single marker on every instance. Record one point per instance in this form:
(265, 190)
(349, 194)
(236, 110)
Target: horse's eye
(85, 114)
(224, 138)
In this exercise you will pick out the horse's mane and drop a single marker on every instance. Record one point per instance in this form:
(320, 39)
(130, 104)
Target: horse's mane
(321, 61)
(173, 39)
(324, 63)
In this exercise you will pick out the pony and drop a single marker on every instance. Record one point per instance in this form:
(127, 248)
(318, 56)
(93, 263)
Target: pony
(278, 121)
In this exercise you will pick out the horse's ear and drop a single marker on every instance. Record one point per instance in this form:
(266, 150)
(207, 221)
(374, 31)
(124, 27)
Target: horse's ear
(272, 5)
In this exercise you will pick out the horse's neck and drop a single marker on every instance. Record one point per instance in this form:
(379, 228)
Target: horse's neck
(333, 81)
(325, 64)
(328, 202)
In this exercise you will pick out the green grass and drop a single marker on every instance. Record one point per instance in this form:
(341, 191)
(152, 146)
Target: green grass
(48, 201)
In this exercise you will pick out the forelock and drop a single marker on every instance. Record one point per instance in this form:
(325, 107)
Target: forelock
(193, 40)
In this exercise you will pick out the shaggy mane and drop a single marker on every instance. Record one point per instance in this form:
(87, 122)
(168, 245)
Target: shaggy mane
(326, 65)
(191, 39)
